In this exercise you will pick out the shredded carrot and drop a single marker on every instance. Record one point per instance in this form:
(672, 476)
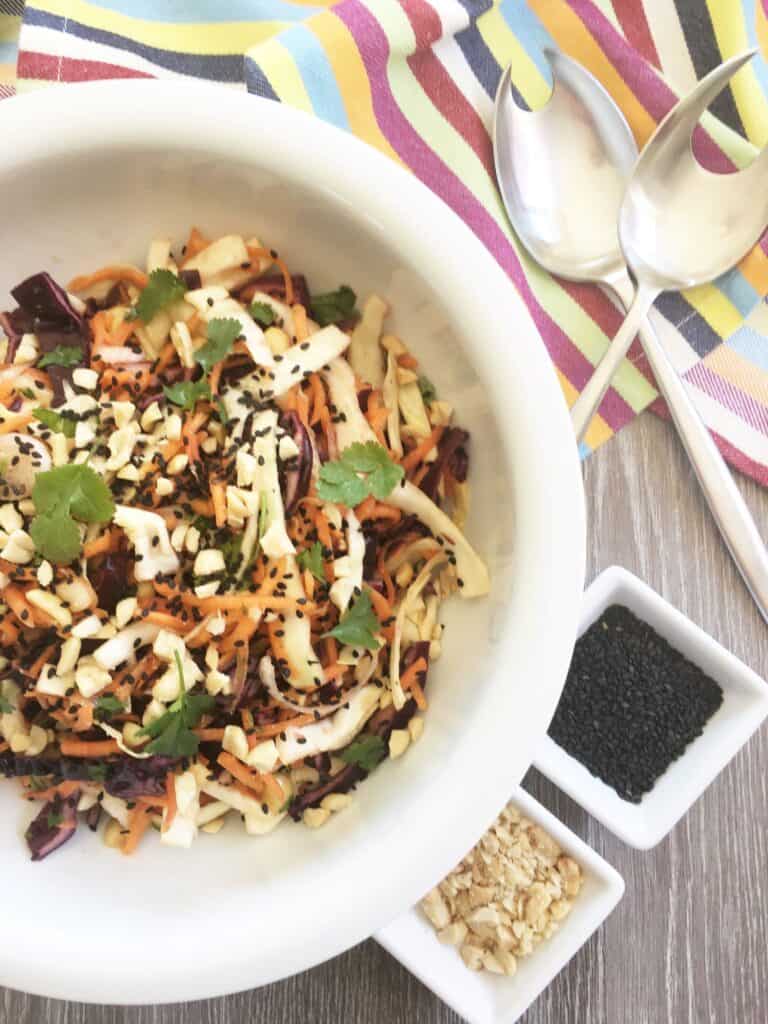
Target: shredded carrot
(383, 610)
(323, 530)
(415, 456)
(138, 823)
(167, 355)
(111, 273)
(71, 747)
(202, 506)
(62, 789)
(331, 650)
(258, 253)
(334, 672)
(14, 423)
(219, 502)
(418, 695)
(195, 245)
(372, 509)
(246, 717)
(252, 780)
(300, 328)
(36, 667)
(167, 621)
(407, 361)
(215, 378)
(377, 414)
(410, 675)
(241, 634)
(319, 403)
(265, 732)
(101, 545)
(170, 798)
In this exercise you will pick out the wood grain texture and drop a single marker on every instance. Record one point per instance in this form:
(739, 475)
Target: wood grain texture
(689, 942)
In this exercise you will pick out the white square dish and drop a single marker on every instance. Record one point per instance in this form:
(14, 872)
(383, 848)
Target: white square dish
(744, 707)
(484, 998)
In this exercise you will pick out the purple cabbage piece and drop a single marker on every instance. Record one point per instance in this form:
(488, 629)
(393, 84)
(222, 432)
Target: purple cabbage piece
(375, 539)
(452, 455)
(55, 825)
(46, 310)
(273, 284)
(191, 279)
(132, 778)
(40, 296)
(110, 579)
(296, 480)
(93, 816)
(12, 765)
(380, 724)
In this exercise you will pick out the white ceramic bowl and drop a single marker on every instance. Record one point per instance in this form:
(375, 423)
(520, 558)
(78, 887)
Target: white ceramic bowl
(744, 707)
(89, 174)
(484, 998)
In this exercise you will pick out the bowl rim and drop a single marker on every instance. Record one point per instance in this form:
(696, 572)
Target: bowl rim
(550, 518)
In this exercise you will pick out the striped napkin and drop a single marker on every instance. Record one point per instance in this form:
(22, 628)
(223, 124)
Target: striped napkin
(416, 79)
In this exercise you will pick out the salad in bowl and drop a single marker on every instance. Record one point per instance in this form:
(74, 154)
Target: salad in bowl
(230, 511)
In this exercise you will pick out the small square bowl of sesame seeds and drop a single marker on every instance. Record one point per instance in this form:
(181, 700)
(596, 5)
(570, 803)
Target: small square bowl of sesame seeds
(528, 856)
(652, 711)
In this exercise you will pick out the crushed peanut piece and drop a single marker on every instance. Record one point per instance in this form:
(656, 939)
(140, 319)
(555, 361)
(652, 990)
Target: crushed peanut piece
(508, 894)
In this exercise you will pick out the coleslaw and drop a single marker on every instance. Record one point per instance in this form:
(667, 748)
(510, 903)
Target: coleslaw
(230, 511)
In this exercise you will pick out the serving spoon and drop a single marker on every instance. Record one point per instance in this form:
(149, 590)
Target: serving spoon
(566, 177)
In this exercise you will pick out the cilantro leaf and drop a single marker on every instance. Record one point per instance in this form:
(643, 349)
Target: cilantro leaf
(54, 820)
(6, 708)
(427, 389)
(340, 481)
(172, 733)
(221, 334)
(358, 624)
(312, 559)
(60, 496)
(366, 752)
(164, 287)
(262, 313)
(187, 392)
(97, 772)
(331, 307)
(57, 538)
(109, 705)
(4, 463)
(55, 421)
(77, 487)
(27, 392)
(62, 355)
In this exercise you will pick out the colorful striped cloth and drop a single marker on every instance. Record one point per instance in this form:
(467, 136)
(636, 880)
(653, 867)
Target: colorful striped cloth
(416, 79)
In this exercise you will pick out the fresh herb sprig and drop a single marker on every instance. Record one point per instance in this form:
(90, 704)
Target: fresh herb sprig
(172, 734)
(63, 497)
(341, 481)
(358, 626)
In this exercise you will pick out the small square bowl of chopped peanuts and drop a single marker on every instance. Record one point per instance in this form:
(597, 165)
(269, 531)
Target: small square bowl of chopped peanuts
(495, 932)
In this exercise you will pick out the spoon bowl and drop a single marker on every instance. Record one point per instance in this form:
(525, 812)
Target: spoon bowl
(548, 160)
(682, 225)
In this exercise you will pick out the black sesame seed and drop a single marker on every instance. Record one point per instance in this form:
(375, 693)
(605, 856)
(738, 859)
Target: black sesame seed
(631, 703)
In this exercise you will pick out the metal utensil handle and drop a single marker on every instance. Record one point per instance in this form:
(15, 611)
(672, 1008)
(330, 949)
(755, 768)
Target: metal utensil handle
(588, 402)
(725, 501)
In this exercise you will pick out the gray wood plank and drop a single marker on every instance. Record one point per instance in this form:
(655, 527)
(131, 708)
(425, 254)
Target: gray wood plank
(689, 943)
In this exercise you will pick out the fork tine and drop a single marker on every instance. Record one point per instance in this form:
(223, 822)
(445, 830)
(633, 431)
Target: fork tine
(689, 110)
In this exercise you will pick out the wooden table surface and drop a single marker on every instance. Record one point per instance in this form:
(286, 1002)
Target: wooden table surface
(689, 942)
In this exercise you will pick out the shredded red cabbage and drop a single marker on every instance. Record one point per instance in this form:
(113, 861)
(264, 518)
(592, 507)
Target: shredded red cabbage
(55, 825)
